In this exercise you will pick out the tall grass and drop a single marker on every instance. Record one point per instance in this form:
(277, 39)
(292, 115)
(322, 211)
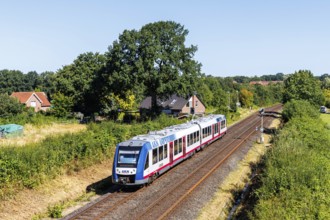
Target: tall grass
(296, 182)
(31, 165)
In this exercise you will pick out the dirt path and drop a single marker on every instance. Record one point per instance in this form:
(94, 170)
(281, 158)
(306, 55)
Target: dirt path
(28, 203)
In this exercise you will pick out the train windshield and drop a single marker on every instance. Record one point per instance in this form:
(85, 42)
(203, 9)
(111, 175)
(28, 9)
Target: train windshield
(128, 155)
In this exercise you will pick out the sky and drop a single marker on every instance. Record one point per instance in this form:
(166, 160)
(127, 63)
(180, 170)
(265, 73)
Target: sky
(234, 37)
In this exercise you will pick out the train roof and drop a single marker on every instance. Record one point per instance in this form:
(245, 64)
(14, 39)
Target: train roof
(170, 132)
(209, 118)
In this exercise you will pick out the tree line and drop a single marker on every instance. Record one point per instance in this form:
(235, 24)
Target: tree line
(153, 61)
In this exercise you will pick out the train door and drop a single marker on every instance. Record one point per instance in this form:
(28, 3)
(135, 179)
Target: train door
(184, 145)
(212, 131)
(219, 127)
(171, 152)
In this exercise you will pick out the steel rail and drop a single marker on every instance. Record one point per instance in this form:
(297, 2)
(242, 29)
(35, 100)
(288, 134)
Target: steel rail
(226, 147)
(179, 200)
(80, 213)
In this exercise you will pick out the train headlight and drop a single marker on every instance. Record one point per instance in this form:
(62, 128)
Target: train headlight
(117, 170)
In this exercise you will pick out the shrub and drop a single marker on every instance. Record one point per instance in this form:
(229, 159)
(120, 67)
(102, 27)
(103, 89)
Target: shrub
(31, 165)
(299, 108)
(55, 211)
(295, 183)
(9, 106)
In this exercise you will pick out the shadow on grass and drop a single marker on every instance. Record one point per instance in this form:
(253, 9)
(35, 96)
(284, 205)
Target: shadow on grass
(246, 199)
(105, 186)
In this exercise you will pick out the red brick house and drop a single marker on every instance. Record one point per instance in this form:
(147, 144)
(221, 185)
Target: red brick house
(36, 100)
(264, 83)
(177, 105)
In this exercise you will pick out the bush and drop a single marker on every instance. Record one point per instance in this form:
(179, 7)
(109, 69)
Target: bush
(9, 106)
(55, 211)
(31, 165)
(28, 116)
(295, 183)
(299, 108)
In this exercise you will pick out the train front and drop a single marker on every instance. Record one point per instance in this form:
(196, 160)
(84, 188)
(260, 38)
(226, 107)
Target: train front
(128, 164)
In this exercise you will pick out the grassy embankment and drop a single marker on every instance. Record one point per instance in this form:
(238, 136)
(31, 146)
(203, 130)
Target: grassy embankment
(45, 159)
(37, 133)
(221, 203)
(35, 163)
(295, 180)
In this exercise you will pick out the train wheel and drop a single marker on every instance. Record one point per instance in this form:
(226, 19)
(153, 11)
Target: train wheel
(192, 154)
(152, 178)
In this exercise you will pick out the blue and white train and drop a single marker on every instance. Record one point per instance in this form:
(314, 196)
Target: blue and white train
(143, 158)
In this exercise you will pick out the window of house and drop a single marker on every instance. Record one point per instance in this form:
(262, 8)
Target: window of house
(33, 104)
(196, 103)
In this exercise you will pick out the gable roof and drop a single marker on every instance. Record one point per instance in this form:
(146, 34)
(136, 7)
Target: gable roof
(174, 102)
(23, 97)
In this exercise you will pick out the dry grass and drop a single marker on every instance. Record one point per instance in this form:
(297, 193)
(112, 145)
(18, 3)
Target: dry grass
(218, 207)
(29, 203)
(34, 134)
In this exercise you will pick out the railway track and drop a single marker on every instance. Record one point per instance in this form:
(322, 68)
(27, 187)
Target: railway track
(164, 200)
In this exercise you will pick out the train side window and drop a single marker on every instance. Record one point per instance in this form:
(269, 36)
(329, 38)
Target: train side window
(165, 151)
(180, 145)
(197, 135)
(154, 155)
(191, 139)
(223, 124)
(176, 147)
(161, 153)
(188, 140)
(209, 131)
(146, 165)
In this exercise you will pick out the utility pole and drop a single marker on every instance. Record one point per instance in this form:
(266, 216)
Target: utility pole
(228, 99)
(262, 126)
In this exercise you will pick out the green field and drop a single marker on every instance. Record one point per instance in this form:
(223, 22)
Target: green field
(325, 118)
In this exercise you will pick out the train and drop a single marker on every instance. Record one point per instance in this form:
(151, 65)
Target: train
(141, 159)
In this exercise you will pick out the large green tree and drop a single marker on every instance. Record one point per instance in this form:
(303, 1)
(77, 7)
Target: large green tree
(31, 81)
(303, 86)
(75, 80)
(154, 61)
(11, 81)
(9, 106)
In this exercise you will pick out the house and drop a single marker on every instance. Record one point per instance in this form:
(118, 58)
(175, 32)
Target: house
(177, 105)
(36, 100)
(264, 83)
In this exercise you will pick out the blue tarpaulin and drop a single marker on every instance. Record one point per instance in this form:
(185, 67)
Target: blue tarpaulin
(11, 130)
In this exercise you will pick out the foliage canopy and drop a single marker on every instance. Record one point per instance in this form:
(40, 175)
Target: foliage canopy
(303, 86)
(153, 61)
